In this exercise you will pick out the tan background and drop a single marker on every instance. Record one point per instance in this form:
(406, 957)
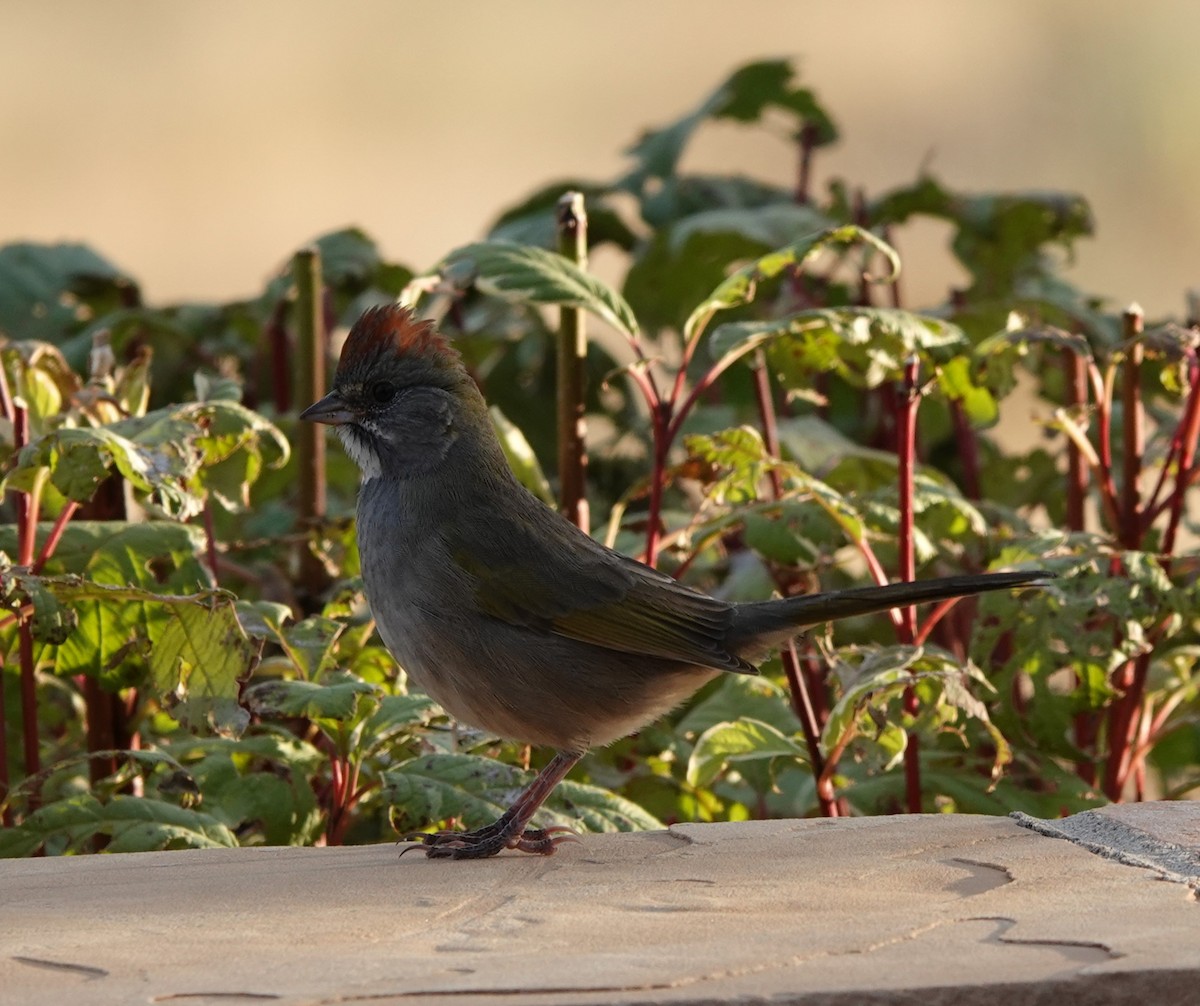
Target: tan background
(197, 144)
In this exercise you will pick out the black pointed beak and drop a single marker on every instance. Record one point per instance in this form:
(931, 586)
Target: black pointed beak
(330, 410)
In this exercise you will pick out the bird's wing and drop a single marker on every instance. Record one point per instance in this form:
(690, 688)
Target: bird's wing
(577, 588)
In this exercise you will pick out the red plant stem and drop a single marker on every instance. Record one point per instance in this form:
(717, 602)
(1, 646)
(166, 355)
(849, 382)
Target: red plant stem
(280, 350)
(1075, 367)
(1102, 394)
(1122, 724)
(210, 540)
(808, 137)
(1134, 429)
(1130, 679)
(661, 438)
(27, 515)
(906, 448)
(666, 419)
(940, 611)
(26, 503)
(968, 451)
(6, 816)
(1187, 436)
(802, 699)
(101, 729)
(8, 411)
(55, 535)
(803, 708)
(29, 725)
(340, 818)
(766, 415)
(679, 411)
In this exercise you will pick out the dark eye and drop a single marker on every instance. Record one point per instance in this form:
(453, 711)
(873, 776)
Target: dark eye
(382, 392)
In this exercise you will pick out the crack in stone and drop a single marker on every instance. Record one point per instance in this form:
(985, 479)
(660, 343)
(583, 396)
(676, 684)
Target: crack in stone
(178, 996)
(1006, 923)
(84, 970)
(978, 882)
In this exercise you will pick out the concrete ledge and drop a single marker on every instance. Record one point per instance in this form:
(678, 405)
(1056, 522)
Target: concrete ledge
(932, 909)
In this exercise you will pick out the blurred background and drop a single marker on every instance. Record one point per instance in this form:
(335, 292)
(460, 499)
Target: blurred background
(198, 144)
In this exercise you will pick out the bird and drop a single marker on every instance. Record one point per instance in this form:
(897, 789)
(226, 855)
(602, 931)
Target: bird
(504, 612)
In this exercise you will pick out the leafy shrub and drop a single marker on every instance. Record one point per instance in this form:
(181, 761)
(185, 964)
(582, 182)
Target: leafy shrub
(187, 656)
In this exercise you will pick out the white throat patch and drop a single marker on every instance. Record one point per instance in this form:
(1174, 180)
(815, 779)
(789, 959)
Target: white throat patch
(359, 448)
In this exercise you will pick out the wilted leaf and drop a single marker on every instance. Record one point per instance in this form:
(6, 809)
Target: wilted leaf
(199, 660)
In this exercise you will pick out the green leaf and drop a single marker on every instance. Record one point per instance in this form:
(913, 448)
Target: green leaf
(865, 346)
(735, 696)
(199, 661)
(528, 275)
(777, 541)
(475, 791)
(692, 252)
(521, 459)
(42, 286)
(534, 220)
(135, 824)
(258, 786)
(957, 383)
(334, 697)
(818, 446)
(310, 643)
(124, 631)
(882, 674)
(737, 741)
(999, 238)
(396, 716)
(742, 286)
(743, 97)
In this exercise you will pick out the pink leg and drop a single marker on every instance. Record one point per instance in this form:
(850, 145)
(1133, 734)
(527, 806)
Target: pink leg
(509, 831)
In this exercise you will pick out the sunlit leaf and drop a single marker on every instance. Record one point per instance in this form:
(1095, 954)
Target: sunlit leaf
(740, 740)
(335, 696)
(135, 824)
(742, 286)
(531, 275)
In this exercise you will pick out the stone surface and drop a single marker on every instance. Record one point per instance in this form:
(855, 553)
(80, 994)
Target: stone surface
(933, 909)
(1164, 837)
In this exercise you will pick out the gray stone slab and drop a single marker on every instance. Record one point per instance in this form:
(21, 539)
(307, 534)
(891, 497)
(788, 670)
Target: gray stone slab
(1164, 836)
(930, 909)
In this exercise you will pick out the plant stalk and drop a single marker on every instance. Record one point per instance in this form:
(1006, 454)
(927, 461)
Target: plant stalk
(310, 386)
(571, 219)
(802, 698)
(1077, 469)
(1134, 427)
(906, 449)
(27, 506)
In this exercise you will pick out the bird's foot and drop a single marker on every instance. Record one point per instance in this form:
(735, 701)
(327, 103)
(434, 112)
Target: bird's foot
(490, 840)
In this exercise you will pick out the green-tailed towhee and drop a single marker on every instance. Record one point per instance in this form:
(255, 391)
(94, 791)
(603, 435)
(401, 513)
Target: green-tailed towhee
(504, 612)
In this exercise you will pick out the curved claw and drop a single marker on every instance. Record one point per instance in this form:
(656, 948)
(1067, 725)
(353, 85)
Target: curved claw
(488, 841)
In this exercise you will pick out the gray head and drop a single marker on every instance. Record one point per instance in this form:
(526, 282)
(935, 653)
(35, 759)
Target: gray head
(401, 396)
